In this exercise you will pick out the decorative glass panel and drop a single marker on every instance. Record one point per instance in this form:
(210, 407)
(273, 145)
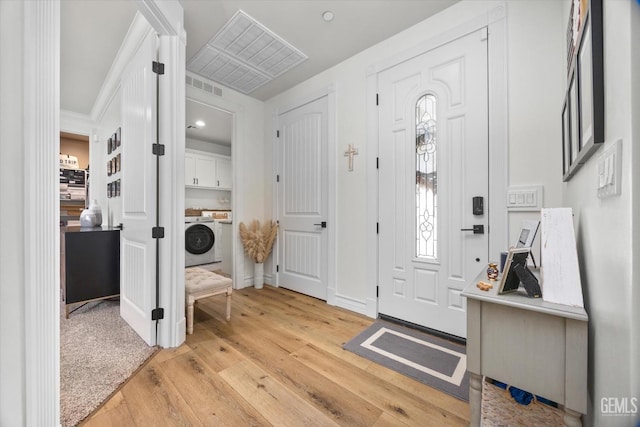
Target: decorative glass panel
(426, 178)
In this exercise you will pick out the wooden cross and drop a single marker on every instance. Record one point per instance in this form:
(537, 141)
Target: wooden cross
(350, 153)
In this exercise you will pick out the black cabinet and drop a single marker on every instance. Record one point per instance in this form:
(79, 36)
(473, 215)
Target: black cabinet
(90, 260)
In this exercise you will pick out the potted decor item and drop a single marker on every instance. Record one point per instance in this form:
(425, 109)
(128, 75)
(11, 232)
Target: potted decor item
(258, 241)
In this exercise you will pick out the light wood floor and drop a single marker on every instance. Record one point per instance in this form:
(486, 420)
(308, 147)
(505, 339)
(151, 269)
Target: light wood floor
(279, 361)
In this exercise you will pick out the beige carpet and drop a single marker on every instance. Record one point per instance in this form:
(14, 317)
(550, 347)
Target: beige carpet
(98, 352)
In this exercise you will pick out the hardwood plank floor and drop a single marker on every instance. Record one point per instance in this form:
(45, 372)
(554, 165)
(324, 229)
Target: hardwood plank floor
(278, 361)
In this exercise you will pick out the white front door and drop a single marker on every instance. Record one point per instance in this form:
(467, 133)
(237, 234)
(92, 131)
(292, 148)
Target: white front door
(302, 199)
(433, 150)
(138, 189)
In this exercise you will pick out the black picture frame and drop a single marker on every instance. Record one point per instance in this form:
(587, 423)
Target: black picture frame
(510, 282)
(585, 87)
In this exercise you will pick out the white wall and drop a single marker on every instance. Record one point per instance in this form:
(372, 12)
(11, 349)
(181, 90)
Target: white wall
(110, 122)
(12, 331)
(248, 160)
(605, 227)
(635, 178)
(210, 147)
(534, 81)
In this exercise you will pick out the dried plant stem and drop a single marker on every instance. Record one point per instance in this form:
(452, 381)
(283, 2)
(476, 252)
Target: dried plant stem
(258, 240)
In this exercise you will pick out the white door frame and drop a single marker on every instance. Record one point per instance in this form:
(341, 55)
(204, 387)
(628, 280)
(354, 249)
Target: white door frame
(220, 104)
(241, 122)
(496, 22)
(41, 128)
(333, 298)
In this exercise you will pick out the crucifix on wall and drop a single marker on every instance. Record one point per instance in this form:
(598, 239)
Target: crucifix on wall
(351, 151)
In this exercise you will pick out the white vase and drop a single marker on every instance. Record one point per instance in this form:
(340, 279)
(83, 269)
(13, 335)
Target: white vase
(87, 219)
(97, 211)
(258, 275)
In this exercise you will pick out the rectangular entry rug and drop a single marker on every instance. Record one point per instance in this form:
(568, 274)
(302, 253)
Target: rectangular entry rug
(434, 361)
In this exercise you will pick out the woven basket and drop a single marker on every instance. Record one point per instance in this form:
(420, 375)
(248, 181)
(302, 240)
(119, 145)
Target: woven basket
(500, 409)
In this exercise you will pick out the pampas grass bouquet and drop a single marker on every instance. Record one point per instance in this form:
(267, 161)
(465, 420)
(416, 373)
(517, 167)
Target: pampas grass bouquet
(258, 239)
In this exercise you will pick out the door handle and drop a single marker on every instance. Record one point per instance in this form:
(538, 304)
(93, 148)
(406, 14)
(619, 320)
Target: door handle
(477, 229)
(323, 224)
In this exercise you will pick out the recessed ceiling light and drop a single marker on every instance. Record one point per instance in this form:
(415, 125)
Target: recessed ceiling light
(328, 16)
(200, 123)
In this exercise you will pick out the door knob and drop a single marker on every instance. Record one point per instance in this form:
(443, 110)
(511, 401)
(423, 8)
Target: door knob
(323, 224)
(477, 229)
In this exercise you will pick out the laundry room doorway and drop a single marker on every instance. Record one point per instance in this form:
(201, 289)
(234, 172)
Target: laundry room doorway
(209, 187)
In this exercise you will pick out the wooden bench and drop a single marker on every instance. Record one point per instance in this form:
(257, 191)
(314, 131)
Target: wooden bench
(200, 283)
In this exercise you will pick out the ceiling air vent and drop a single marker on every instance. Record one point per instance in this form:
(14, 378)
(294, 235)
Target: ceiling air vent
(207, 87)
(244, 55)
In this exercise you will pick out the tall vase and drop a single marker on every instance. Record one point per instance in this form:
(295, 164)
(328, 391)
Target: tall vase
(258, 275)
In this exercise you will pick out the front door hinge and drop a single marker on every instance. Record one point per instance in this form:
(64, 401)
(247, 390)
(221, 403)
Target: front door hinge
(377, 162)
(377, 291)
(157, 232)
(377, 99)
(277, 134)
(277, 268)
(157, 149)
(377, 228)
(157, 67)
(157, 313)
(278, 178)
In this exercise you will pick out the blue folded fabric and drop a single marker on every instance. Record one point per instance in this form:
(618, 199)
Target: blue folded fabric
(521, 396)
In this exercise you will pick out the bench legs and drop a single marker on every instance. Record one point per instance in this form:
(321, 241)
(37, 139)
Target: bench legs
(191, 300)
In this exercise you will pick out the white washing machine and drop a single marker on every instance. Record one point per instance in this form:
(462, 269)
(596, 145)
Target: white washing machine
(202, 239)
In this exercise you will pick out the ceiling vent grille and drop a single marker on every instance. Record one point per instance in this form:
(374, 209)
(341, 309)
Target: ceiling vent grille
(244, 55)
(207, 87)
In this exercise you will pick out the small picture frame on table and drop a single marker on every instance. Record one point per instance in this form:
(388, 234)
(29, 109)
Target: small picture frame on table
(510, 282)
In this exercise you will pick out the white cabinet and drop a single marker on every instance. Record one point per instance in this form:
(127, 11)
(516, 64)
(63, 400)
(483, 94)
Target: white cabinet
(223, 173)
(205, 170)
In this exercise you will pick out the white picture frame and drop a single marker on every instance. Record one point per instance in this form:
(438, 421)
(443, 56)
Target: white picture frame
(528, 232)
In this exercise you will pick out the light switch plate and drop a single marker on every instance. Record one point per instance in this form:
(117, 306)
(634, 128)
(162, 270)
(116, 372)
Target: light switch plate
(610, 171)
(527, 198)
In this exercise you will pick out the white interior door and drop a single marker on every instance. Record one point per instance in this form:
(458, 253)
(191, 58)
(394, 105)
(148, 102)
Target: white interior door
(138, 248)
(302, 199)
(433, 160)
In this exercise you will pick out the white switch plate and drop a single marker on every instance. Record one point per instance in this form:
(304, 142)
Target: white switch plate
(527, 198)
(610, 171)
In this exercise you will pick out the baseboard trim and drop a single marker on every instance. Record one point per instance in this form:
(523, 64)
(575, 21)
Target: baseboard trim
(350, 304)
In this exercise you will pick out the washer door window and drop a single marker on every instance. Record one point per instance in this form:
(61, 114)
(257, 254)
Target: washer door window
(198, 239)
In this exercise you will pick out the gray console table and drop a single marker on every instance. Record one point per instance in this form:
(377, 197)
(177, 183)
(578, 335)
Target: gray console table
(537, 346)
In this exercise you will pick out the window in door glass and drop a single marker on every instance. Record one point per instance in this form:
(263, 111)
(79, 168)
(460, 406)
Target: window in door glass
(426, 178)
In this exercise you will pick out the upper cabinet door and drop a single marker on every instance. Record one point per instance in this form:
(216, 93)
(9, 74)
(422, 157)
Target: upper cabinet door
(206, 172)
(190, 170)
(225, 178)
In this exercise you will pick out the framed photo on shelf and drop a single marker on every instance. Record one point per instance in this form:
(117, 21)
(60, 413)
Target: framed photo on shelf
(510, 282)
(118, 137)
(118, 162)
(109, 145)
(584, 103)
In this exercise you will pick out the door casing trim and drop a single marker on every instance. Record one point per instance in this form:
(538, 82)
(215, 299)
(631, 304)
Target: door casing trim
(496, 23)
(333, 298)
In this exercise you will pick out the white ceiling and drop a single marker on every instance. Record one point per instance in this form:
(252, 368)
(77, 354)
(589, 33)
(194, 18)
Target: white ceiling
(92, 32)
